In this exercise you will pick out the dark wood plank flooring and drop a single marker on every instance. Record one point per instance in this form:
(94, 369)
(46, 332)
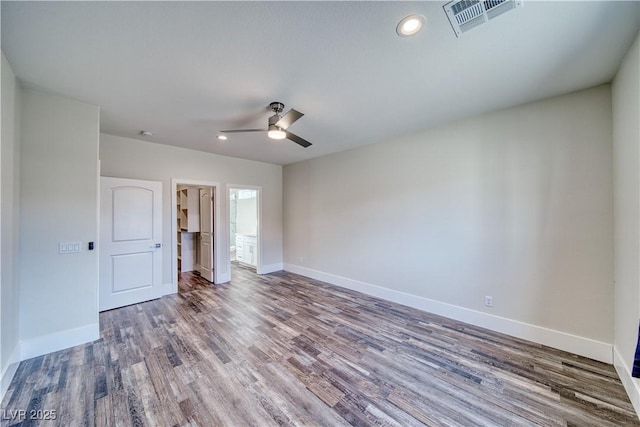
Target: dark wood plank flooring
(281, 349)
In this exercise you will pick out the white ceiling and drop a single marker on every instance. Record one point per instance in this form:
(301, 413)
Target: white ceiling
(188, 70)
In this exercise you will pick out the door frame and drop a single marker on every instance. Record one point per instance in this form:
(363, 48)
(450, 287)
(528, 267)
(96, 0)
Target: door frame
(258, 189)
(219, 259)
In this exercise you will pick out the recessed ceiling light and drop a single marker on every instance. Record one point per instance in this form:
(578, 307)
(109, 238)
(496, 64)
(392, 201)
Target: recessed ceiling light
(145, 133)
(410, 25)
(222, 137)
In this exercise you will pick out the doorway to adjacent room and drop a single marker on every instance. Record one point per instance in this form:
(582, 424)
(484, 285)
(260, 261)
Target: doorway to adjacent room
(244, 227)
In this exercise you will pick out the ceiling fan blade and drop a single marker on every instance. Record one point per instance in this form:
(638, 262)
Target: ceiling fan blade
(250, 119)
(289, 118)
(295, 138)
(243, 130)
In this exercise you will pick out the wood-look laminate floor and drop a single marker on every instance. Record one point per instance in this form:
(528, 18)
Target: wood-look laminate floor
(281, 349)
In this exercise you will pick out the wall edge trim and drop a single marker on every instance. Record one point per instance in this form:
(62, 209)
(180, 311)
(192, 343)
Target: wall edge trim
(56, 341)
(10, 370)
(582, 346)
(631, 385)
(271, 268)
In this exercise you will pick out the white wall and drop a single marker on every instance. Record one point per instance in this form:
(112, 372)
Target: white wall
(626, 164)
(246, 220)
(59, 203)
(515, 204)
(9, 224)
(130, 158)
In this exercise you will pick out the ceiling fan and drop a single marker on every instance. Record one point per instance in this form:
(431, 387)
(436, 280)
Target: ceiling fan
(278, 125)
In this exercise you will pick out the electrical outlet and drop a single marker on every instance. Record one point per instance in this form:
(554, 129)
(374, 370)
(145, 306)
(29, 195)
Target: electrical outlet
(488, 301)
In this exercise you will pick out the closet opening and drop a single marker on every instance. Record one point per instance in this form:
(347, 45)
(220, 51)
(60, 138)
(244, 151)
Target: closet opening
(195, 226)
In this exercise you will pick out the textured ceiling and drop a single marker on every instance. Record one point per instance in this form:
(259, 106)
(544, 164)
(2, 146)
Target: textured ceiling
(185, 71)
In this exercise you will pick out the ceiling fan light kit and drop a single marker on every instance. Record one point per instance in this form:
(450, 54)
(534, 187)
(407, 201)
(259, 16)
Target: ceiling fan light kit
(278, 125)
(276, 133)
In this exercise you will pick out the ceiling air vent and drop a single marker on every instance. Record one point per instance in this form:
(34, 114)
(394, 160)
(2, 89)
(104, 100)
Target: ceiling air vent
(467, 14)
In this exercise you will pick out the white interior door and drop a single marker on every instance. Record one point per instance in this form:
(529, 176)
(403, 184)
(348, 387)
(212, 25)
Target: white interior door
(207, 197)
(130, 241)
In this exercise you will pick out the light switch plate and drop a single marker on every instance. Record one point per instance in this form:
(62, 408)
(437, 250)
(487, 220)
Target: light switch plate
(69, 247)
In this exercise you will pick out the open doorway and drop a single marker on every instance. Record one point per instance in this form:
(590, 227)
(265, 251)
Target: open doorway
(195, 230)
(244, 227)
(195, 239)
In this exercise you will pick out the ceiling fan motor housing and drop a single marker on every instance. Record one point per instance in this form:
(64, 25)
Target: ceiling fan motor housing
(277, 107)
(274, 119)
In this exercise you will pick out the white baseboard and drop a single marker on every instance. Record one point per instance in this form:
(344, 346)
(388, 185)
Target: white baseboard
(560, 340)
(58, 341)
(223, 278)
(631, 385)
(167, 289)
(266, 269)
(9, 372)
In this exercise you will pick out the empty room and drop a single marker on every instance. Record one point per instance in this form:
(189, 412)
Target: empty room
(320, 213)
